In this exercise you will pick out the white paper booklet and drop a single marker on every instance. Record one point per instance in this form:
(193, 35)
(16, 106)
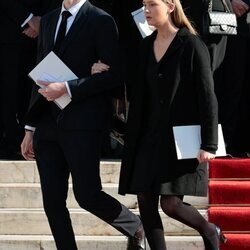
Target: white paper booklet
(52, 69)
(142, 23)
(188, 141)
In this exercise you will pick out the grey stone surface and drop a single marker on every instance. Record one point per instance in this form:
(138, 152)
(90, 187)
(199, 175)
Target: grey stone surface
(93, 243)
(33, 221)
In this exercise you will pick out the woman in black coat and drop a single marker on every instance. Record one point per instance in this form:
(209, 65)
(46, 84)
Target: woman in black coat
(175, 87)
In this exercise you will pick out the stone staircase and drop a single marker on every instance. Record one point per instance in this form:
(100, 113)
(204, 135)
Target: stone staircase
(23, 225)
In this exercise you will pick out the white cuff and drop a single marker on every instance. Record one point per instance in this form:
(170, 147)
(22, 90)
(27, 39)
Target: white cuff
(27, 20)
(30, 128)
(68, 89)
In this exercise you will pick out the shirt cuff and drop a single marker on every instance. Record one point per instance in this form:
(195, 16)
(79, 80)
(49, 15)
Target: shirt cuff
(29, 128)
(68, 89)
(27, 20)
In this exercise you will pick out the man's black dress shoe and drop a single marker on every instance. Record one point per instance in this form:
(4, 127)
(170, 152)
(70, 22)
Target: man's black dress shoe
(138, 241)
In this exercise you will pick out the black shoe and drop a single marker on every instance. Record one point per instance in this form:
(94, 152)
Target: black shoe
(138, 241)
(212, 242)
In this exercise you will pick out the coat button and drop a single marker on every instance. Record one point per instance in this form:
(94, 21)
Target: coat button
(160, 75)
(161, 102)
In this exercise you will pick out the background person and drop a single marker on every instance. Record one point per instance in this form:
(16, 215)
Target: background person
(19, 24)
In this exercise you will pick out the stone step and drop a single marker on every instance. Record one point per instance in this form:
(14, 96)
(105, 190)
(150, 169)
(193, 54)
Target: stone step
(34, 222)
(26, 172)
(28, 195)
(38, 242)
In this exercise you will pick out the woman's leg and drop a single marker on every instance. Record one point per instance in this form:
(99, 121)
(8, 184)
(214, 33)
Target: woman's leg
(148, 205)
(174, 207)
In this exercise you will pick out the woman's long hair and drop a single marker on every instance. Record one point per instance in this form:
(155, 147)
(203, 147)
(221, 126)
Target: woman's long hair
(179, 18)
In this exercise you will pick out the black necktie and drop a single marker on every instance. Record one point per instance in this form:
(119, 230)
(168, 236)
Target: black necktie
(61, 31)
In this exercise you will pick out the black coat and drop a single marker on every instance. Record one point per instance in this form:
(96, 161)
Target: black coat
(186, 97)
(14, 13)
(92, 37)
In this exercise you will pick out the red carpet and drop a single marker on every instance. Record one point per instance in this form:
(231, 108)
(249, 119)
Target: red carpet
(229, 168)
(231, 218)
(236, 242)
(226, 189)
(229, 192)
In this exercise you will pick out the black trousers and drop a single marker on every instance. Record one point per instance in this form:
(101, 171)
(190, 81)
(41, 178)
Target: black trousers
(61, 152)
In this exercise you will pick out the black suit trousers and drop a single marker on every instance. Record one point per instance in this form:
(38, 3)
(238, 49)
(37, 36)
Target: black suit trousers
(60, 153)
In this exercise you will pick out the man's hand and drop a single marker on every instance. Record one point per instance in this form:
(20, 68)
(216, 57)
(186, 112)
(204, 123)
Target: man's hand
(204, 156)
(34, 23)
(239, 7)
(27, 146)
(52, 90)
(30, 32)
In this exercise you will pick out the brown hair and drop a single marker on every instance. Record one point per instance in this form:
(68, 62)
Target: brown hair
(179, 18)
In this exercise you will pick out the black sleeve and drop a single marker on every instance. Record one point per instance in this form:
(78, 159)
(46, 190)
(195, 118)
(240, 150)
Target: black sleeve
(247, 2)
(207, 102)
(107, 48)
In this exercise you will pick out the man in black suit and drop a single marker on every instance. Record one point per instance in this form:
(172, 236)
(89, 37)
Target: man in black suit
(19, 24)
(68, 141)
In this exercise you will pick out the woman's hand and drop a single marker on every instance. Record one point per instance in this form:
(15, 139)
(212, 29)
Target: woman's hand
(204, 156)
(99, 67)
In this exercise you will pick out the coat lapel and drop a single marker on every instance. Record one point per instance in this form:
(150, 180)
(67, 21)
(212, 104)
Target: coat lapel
(173, 48)
(52, 29)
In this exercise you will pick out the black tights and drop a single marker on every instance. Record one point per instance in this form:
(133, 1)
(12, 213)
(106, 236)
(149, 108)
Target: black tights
(175, 208)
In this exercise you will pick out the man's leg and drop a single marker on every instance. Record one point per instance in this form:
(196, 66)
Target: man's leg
(54, 175)
(82, 150)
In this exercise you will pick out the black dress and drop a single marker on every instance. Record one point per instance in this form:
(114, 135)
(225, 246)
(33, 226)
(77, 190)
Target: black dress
(152, 169)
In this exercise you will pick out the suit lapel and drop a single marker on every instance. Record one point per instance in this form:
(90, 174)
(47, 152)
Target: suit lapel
(80, 19)
(52, 30)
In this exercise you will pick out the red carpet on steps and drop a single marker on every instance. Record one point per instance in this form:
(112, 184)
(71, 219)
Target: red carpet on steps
(231, 218)
(229, 168)
(236, 242)
(229, 192)
(229, 201)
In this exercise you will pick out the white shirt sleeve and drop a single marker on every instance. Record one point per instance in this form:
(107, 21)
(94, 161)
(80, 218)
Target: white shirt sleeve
(27, 20)
(30, 128)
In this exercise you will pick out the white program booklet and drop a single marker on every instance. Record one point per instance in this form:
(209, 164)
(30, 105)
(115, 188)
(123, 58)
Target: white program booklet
(52, 69)
(141, 22)
(188, 141)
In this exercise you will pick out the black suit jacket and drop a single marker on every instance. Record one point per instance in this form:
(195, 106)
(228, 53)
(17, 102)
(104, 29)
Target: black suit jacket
(92, 36)
(14, 13)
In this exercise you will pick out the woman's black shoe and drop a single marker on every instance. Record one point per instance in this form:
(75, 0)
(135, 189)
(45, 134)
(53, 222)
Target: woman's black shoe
(212, 242)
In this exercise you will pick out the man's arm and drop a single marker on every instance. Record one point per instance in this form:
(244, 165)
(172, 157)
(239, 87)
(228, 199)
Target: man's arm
(107, 49)
(16, 10)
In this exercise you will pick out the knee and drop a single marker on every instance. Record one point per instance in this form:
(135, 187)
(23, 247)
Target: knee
(170, 206)
(53, 206)
(87, 201)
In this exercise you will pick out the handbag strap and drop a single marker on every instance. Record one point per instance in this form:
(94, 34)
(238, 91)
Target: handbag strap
(210, 6)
